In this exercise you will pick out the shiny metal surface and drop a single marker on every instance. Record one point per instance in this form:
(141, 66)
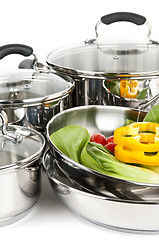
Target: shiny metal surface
(123, 215)
(31, 97)
(19, 191)
(103, 119)
(87, 92)
(114, 100)
(15, 138)
(20, 151)
(151, 99)
(94, 60)
(37, 117)
(90, 65)
(16, 116)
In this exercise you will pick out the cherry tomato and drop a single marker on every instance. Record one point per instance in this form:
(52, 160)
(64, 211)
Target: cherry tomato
(110, 139)
(98, 138)
(110, 146)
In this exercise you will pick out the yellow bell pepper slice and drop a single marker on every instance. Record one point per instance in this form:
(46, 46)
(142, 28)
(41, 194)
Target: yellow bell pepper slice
(143, 136)
(138, 143)
(139, 157)
(129, 89)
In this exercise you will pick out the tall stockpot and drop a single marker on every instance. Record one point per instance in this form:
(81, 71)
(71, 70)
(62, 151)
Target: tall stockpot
(95, 62)
(21, 150)
(31, 97)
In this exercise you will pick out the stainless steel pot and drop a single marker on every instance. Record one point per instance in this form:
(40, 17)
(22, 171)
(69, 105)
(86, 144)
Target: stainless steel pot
(20, 152)
(94, 61)
(99, 119)
(35, 94)
(117, 214)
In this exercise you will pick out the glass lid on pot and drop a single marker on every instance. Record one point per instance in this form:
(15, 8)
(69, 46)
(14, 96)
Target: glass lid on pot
(26, 87)
(31, 86)
(19, 146)
(98, 59)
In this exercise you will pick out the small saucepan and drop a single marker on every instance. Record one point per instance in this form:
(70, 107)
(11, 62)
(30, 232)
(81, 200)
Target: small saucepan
(31, 97)
(21, 149)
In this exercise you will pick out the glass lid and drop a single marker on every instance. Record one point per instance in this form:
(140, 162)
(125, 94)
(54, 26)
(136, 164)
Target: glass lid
(30, 86)
(22, 87)
(95, 59)
(19, 146)
(103, 58)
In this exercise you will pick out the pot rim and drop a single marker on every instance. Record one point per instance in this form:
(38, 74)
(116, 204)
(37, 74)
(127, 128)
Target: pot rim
(103, 75)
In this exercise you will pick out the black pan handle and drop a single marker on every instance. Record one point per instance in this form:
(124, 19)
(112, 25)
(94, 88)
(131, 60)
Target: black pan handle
(15, 49)
(123, 16)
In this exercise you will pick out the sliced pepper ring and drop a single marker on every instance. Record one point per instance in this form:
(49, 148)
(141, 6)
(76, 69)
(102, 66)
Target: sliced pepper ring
(141, 136)
(138, 143)
(129, 156)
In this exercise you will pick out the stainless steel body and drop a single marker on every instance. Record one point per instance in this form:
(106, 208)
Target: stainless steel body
(99, 119)
(94, 61)
(31, 97)
(19, 191)
(87, 91)
(20, 160)
(152, 96)
(123, 215)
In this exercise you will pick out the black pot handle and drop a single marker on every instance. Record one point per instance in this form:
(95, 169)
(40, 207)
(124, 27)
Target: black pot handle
(15, 49)
(123, 16)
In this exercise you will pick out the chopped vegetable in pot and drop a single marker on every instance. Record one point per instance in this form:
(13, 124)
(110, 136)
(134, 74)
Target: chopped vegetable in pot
(129, 89)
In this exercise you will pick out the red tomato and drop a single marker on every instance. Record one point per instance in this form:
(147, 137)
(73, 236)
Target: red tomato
(110, 146)
(98, 138)
(110, 139)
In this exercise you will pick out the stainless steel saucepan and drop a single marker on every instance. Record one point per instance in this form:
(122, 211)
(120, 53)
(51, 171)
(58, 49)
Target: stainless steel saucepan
(21, 149)
(31, 97)
(96, 61)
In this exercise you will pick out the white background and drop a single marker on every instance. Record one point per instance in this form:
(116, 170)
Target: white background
(46, 25)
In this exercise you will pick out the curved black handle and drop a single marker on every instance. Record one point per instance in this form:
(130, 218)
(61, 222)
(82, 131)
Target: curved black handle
(123, 16)
(15, 49)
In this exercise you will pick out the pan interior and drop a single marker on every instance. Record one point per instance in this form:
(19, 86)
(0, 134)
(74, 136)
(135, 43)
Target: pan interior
(103, 119)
